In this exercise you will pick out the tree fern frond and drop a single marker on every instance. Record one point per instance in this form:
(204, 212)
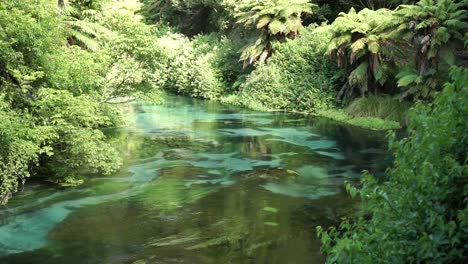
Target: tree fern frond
(359, 74)
(263, 21)
(275, 26)
(280, 17)
(90, 43)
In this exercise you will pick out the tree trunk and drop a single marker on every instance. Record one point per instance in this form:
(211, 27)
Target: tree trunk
(61, 4)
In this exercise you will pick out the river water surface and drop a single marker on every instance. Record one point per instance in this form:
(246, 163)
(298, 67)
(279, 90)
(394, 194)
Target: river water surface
(201, 183)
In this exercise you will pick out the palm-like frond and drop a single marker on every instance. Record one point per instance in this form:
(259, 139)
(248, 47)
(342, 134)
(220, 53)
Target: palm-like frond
(90, 43)
(89, 34)
(360, 44)
(433, 26)
(277, 20)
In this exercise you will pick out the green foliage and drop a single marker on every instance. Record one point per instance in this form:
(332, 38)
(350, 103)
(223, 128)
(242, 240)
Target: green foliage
(418, 40)
(205, 67)
(66, 71)
(192, 17)
(80, 22)
(75, 142)
(19, 150)
(135, 64)
(24, 47)
(368, 122)
(191, 72)
(87, 34)
(436, 29)
(270, 209)
(374, 4)
(361, 46)
(297, 78)
(88, 6)
(225, 57)
(54, 95)
(384, 107)
(276, 20)
(419, 214)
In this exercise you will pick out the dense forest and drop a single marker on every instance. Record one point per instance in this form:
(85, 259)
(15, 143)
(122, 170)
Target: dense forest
(67, 67)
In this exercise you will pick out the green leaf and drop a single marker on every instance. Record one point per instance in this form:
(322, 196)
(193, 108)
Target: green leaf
(276, 26)
(358, 45)
(447, 55)
(263, 21)
(407, 80)
(270, 209)
(360, 73)
(374, 47)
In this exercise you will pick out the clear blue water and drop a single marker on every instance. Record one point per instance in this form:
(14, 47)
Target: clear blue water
(201, 183)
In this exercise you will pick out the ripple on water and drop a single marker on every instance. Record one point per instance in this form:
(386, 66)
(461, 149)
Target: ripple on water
(189, 200)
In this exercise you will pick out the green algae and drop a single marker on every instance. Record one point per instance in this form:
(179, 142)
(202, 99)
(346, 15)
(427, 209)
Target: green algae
(201, 183)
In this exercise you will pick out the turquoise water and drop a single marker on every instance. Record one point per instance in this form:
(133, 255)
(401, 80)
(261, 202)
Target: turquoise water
(201, 183)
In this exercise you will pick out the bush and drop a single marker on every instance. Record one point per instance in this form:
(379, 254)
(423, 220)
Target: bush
(419, 214)
(54, 95)
(134, 63)
(298, 77)
(24, 46)
(225, 57)
(74, 139)
(19, 150)
(75, 70)
(204, 67)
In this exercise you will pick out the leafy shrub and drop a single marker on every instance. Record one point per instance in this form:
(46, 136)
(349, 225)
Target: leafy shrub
(65, 71)
(419, 214)
(134, 63)
(266, 89)
(54, 95)
(225, 57)
(205, 67)
(75, 142)
(19, 150)
(59, 133)
(298, 77)
(24, 46)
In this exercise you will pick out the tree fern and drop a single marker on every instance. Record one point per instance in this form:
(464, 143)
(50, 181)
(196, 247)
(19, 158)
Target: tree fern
(435, 29)
(361, 47)
(275, 19)
(87, 33)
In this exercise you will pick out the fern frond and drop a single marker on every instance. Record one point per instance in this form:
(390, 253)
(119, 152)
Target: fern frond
(88, 42)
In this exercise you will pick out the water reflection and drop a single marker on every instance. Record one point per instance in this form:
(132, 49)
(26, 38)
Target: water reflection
(201, 183)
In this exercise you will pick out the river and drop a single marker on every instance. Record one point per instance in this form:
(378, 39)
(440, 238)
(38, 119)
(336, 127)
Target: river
(200, 183)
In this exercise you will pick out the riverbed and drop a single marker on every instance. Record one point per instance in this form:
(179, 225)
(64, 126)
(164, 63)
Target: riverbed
(200, 183)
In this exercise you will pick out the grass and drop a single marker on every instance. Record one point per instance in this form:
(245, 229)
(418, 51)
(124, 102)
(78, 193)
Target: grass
(372, 123)
(379, 113)
(384, 107)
